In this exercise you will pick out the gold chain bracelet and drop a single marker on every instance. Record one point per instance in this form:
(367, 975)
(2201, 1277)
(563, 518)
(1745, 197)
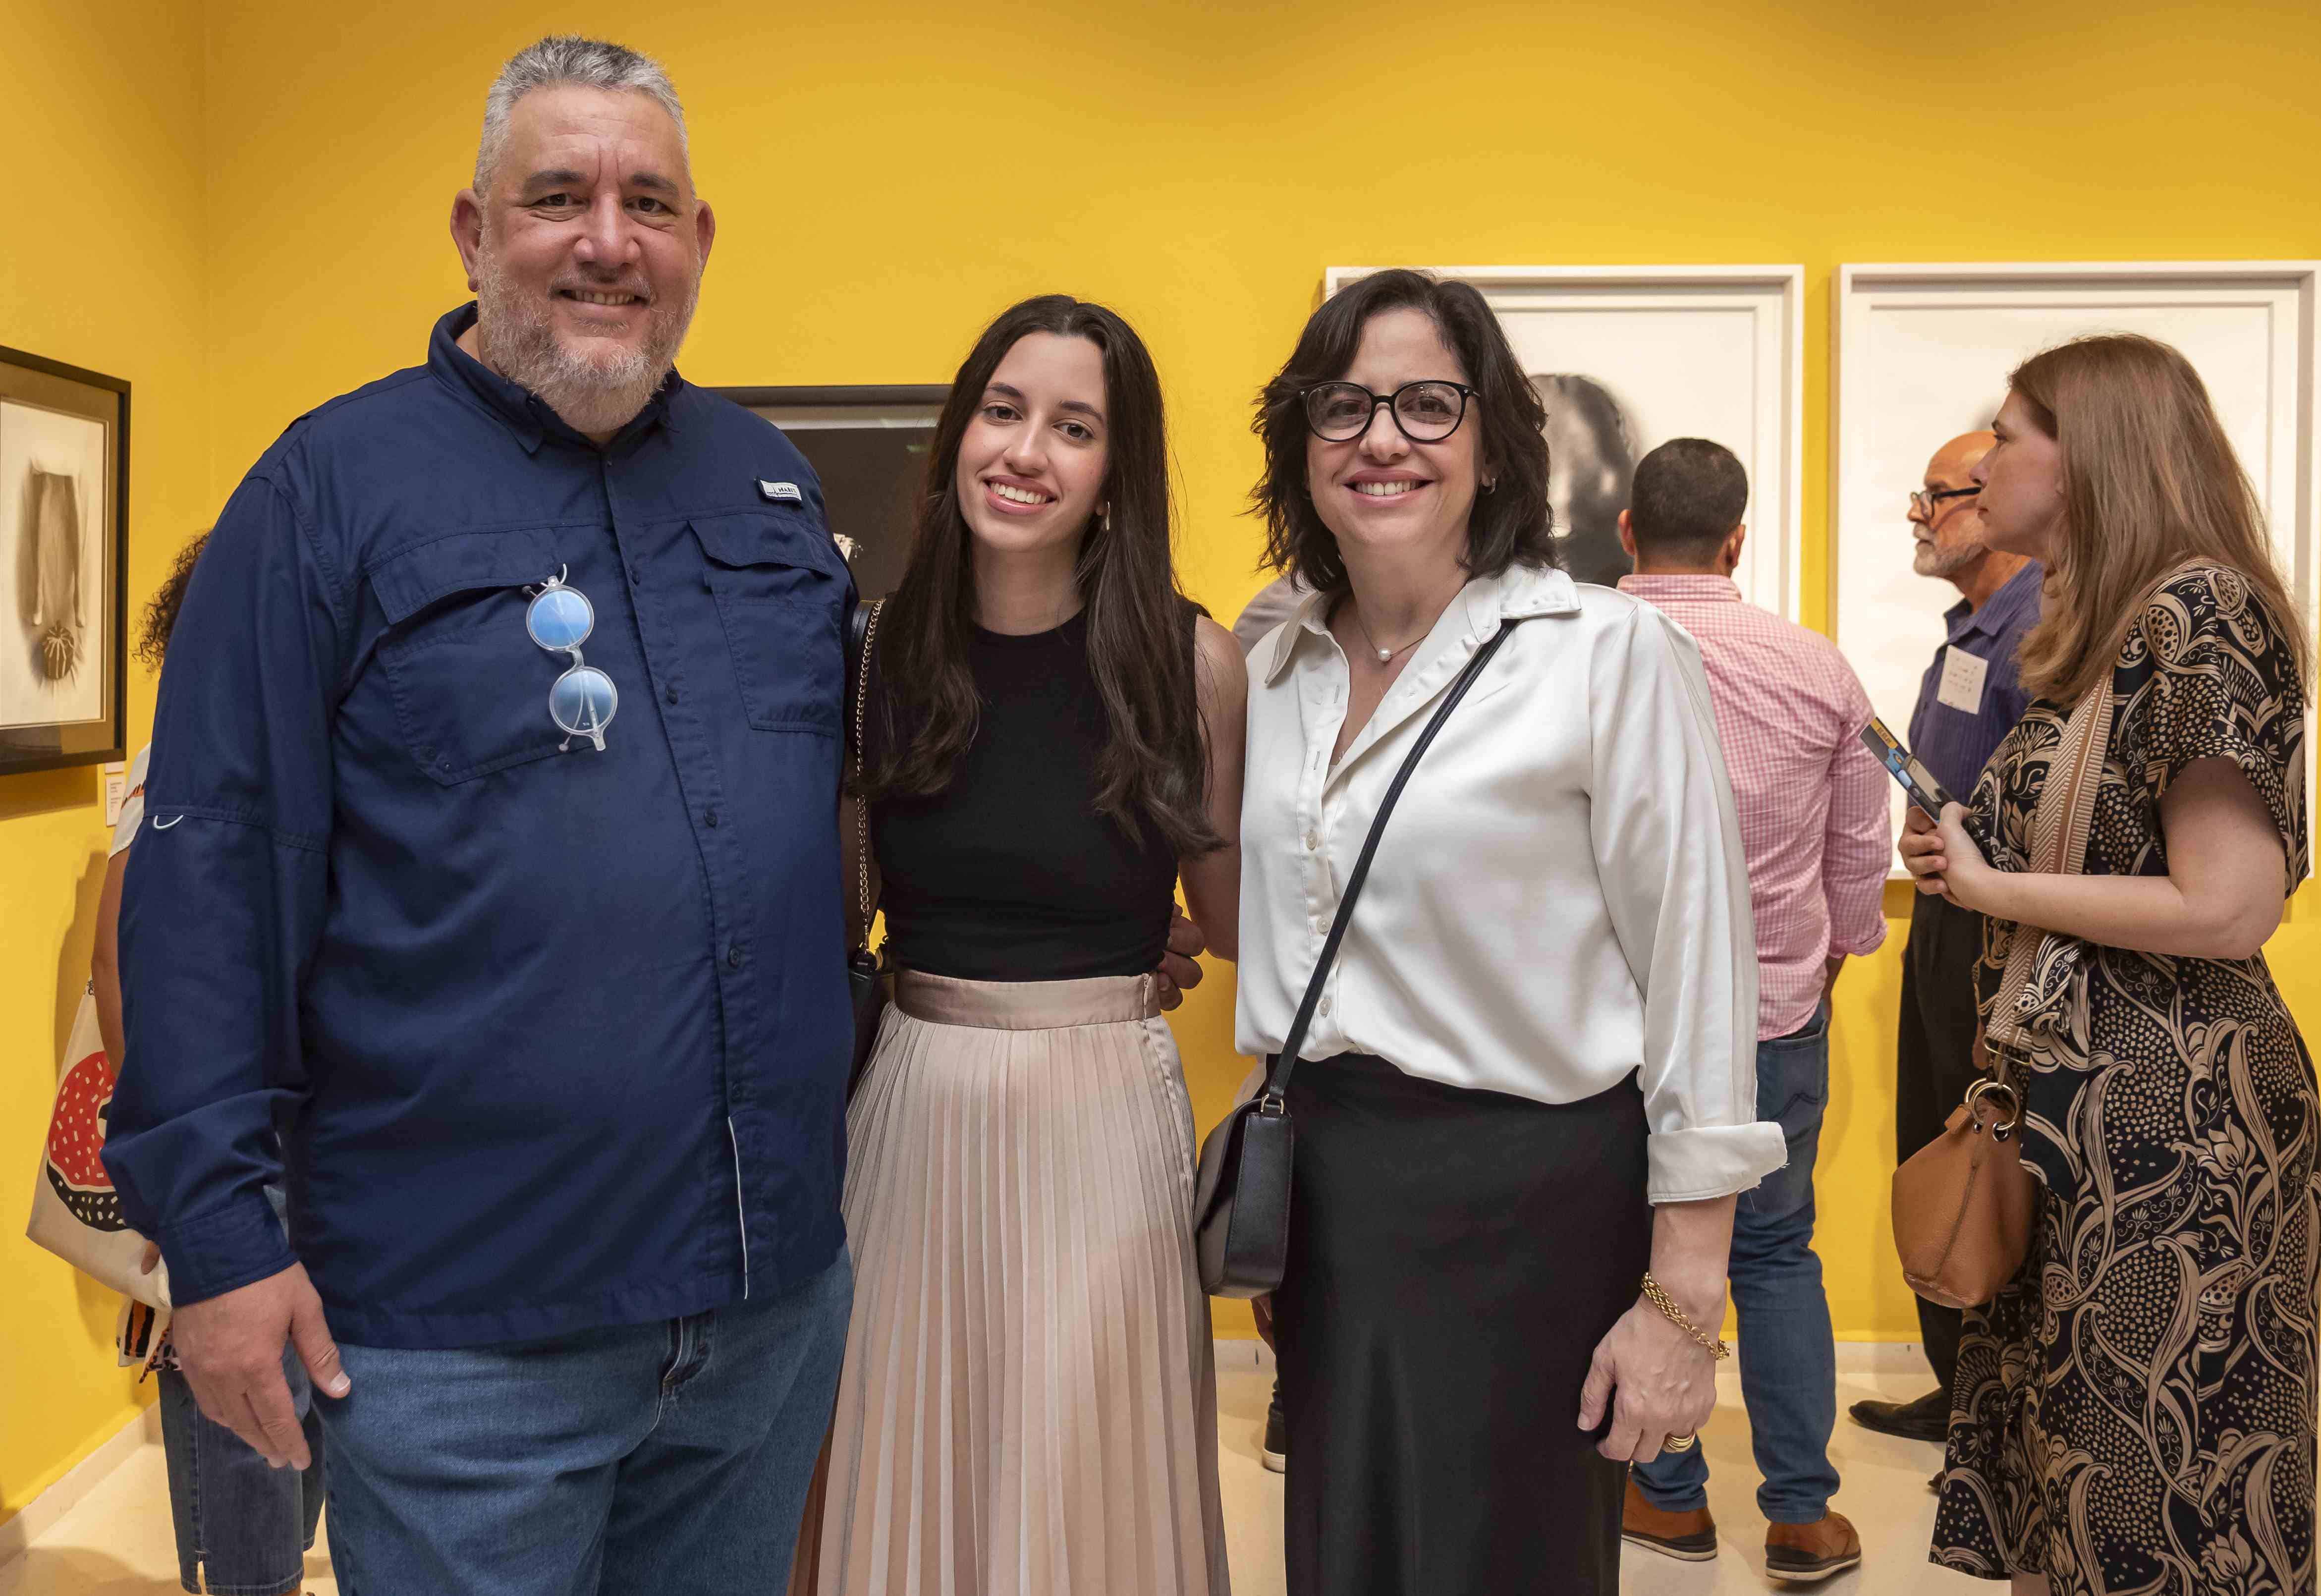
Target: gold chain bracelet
(1657, 1295)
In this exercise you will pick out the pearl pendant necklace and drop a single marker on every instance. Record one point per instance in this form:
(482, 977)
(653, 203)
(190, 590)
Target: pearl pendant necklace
(1385, 655)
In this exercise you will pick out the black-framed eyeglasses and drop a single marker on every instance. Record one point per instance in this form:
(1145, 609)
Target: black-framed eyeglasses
(1928, 501)
(1427, 412)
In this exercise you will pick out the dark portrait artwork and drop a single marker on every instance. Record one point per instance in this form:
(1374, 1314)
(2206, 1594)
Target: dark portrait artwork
(1591, 462)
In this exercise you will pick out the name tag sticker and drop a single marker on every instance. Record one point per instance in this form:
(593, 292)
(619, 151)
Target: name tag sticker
(780, 493)
(1963, 677)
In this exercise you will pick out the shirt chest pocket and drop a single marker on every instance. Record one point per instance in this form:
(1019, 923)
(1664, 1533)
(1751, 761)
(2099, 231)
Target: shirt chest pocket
(781, 595)
(470, 686)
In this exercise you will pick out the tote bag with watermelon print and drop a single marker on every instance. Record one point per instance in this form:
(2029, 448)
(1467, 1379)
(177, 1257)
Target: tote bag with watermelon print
(75, 1213)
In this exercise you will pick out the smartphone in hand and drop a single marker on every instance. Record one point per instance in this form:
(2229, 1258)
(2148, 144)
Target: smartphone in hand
(1916, 780)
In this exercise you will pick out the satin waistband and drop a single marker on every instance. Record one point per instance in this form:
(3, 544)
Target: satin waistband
(1026, 1004)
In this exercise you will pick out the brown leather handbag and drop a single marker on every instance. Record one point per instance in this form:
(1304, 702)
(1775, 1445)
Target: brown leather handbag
(1962, 1204)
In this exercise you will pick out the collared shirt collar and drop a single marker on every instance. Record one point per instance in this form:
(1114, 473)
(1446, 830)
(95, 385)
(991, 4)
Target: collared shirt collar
(1690, 587)
(517, 408)
(2016, 591)
(1519, 591)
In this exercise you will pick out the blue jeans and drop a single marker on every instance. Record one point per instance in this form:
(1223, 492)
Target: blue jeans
(1789, 1362)
(242, 1527)
(671, 1457)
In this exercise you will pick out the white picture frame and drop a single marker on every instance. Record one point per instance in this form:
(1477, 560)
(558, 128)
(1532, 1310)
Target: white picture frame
(1715, 352)
(1922, 355)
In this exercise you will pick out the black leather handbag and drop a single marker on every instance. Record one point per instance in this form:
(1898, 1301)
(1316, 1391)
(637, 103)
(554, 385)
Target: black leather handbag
(865, 973)
(1241, 1201)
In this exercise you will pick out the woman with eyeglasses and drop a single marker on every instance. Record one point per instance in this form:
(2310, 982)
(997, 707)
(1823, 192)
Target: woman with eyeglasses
(1052, 742)
(2134, 1411)
(1527, 1099)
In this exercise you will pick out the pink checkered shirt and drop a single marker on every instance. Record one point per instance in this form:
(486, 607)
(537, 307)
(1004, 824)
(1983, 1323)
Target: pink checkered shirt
(1812, 800)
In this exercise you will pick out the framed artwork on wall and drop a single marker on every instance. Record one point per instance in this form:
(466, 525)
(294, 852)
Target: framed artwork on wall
(64, 579)
(1923, 354)
(1627, 356)
(868, 445)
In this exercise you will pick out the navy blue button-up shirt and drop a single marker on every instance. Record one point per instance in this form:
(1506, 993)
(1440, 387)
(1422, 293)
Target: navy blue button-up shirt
(1955, 743)
(541, 1037)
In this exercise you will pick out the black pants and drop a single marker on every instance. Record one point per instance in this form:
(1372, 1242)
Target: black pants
(1935, 1063)
(1454, 1258)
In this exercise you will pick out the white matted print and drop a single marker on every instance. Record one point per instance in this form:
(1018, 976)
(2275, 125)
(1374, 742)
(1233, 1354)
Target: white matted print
(1626, 358)
(54, 525)
(1923, 356)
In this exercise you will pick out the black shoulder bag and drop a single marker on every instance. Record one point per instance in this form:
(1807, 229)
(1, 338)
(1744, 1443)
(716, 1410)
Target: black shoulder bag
(866, 974)
(1240, 1202)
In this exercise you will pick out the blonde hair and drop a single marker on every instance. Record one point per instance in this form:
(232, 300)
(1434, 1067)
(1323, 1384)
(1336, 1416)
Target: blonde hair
(2150, 482)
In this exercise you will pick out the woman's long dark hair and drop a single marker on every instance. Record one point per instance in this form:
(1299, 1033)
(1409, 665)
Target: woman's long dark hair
(1155, 762)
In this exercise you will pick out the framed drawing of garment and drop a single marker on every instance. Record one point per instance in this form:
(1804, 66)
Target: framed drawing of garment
(64, 544)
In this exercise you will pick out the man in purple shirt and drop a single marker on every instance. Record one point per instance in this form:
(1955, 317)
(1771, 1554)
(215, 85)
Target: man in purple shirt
(1968, 701)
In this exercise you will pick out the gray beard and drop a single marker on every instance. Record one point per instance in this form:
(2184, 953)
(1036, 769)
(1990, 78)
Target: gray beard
(1932, 560)
(517, 334)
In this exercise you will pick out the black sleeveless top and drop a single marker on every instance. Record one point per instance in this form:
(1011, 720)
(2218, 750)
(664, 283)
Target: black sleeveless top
(1010, 873)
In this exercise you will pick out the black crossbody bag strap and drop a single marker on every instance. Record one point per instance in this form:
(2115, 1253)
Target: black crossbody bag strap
(1277, 1076)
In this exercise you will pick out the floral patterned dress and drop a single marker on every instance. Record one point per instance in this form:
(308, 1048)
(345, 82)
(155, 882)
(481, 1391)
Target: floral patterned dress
(2134, 1413)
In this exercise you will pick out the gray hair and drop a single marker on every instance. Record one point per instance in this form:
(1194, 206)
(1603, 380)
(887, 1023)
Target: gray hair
(556, 61)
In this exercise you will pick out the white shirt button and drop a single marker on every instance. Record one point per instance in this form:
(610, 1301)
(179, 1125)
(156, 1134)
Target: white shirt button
(1325, 1006)
(1313, 840)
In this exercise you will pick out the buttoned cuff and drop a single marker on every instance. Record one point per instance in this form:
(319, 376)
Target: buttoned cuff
(224, 1249)
(1712, 1161)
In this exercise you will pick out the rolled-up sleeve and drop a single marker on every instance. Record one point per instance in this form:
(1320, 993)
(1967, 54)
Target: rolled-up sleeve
(1676, 885)
(224, 895)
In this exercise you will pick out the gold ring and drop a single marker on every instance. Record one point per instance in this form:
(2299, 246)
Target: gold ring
(1683, 1443)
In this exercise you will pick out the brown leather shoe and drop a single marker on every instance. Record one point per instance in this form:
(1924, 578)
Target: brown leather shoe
(1808, 1552)
(1690, 1537)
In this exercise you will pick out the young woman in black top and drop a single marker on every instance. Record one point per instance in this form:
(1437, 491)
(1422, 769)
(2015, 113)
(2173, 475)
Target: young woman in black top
(1053, 741)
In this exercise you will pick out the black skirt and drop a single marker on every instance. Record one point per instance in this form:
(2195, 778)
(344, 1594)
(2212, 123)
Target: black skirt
(1454, 1258)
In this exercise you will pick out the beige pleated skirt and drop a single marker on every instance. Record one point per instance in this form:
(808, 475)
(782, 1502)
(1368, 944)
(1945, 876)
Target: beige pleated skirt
(1029, 1403)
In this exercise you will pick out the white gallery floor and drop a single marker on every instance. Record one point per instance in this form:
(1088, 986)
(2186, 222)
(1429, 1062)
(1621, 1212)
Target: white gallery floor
(116, 1540)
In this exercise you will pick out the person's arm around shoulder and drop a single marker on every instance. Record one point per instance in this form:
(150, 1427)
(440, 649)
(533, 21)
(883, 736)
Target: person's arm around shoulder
(221, 907)
(1668, 849)
(1213, 880)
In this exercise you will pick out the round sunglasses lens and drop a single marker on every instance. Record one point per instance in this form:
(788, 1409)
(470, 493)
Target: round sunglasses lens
(1429, 410)
(560, 618)
(583, 701)
(1338, 410)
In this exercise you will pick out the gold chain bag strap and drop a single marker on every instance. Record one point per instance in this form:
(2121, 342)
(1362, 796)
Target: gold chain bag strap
(866, 974)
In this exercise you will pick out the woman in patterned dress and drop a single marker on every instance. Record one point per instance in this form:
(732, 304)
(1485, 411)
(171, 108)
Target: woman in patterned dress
(2134, 1412)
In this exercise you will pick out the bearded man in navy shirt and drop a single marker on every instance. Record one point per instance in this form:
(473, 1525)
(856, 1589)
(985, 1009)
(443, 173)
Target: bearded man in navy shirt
(492, 900)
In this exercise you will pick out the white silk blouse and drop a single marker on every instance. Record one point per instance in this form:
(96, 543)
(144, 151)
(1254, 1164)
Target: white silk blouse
(1559, 898)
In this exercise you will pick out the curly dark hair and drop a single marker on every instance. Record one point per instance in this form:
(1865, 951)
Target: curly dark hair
(162, 614)
(1511, 525)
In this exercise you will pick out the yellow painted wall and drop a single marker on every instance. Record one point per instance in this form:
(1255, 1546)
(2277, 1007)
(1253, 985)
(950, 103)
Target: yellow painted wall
(101, 266)
(889, 175)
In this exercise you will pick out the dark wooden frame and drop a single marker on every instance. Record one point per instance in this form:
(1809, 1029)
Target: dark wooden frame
(13, 762)
(865, 394)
